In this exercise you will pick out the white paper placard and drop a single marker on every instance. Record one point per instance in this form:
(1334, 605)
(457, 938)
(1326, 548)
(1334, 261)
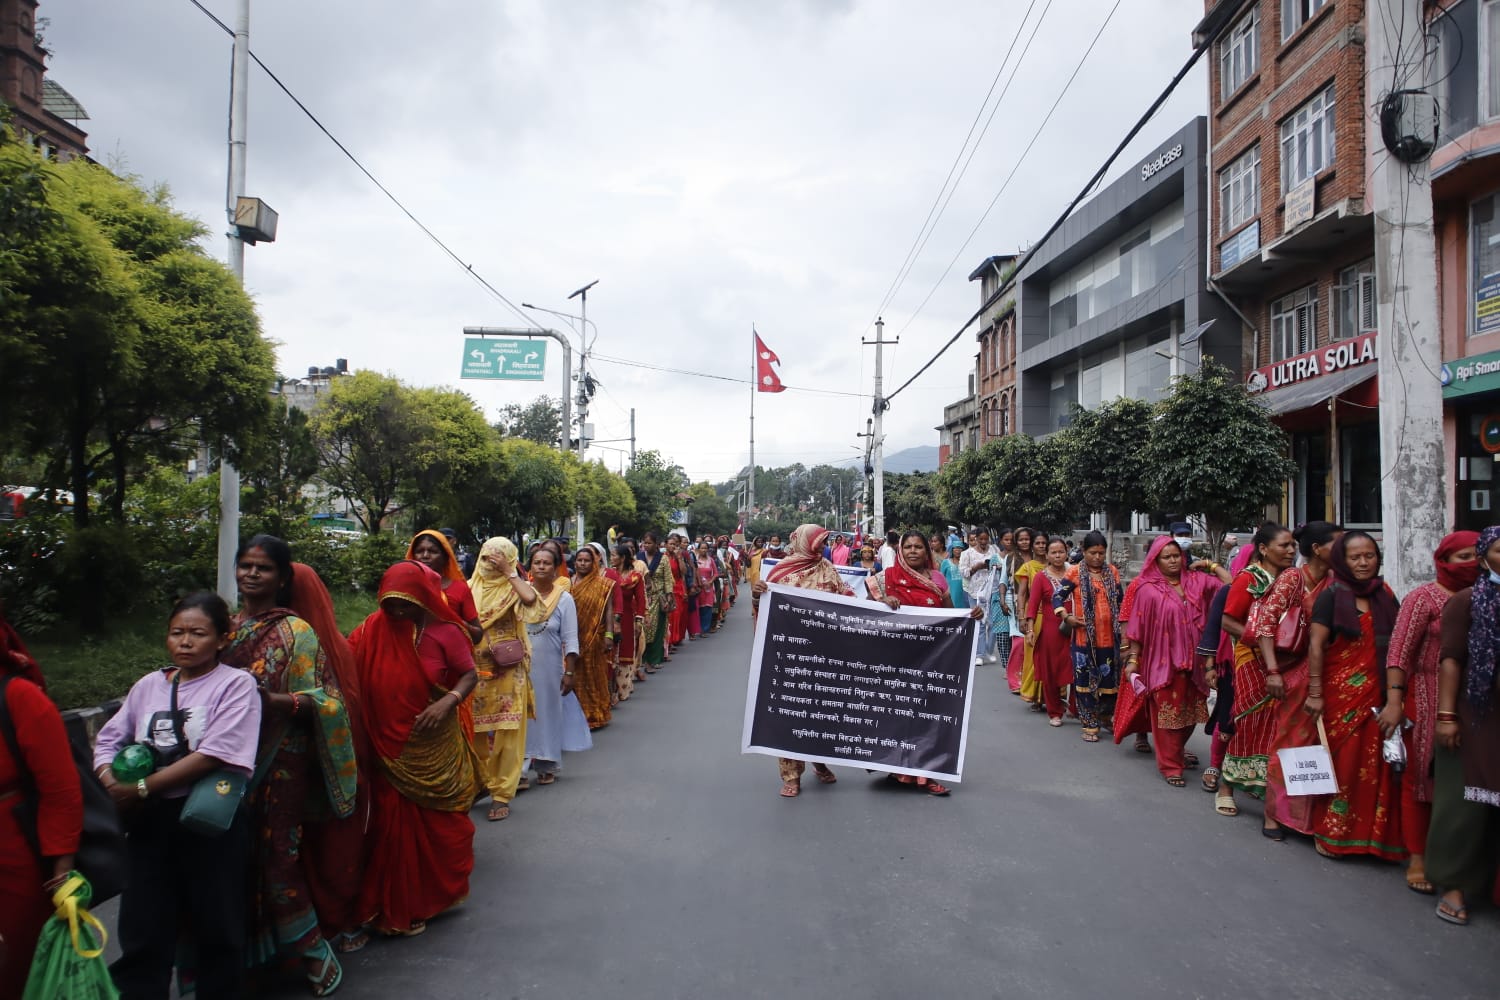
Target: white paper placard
(1308, 771)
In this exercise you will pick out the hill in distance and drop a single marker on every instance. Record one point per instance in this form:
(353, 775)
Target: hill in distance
(922, 458)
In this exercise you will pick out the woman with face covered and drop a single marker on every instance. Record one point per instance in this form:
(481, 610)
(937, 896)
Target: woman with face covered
(503, 701)
(416, 665)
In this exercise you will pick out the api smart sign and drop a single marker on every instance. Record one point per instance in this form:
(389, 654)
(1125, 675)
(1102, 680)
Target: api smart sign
(515, 360)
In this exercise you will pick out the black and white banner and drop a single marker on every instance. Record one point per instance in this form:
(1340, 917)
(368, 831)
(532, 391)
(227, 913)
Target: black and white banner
(837, 680)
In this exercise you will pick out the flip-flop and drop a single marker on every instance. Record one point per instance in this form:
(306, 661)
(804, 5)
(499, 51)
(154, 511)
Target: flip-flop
(826, 777)
(1190, 761)
(1176, 780)
(1211, 780)
(348, 942)
(546, 779)
(1460, 916)
(322, 986)
(503, 809)
(1224, 806)
(1419, 884)
(1142, 746)
(791, 789)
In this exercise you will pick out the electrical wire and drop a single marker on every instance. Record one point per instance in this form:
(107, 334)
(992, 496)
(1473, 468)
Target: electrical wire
(935, 212)
(1007, 285)
(467, 267)
(626, 362)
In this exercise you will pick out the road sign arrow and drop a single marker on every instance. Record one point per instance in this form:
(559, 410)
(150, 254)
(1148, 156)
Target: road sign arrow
(531, 357)
(477, 355)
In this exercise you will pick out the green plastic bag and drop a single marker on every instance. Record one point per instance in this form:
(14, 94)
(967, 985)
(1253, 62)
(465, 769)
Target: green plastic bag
(69, 962)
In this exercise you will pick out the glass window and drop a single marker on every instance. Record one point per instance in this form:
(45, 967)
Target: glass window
(1061, 399)
(1455, 70)
(1492, 57)
(1239, 53)
(1119, 272)
(1354, 301)
(1296, 13)
(1239, 190)
(1294, 324)
(1359, 455)
(1307, 141)
(1090, 385)
(1484, 224)
(1147, 372)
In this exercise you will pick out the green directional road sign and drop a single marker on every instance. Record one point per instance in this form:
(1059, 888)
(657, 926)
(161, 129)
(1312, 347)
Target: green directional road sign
(516, 360)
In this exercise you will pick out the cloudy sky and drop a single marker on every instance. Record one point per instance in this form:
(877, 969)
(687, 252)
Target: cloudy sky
(713, 164)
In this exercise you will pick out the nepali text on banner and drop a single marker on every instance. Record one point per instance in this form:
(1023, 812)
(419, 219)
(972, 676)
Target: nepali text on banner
(835, 680)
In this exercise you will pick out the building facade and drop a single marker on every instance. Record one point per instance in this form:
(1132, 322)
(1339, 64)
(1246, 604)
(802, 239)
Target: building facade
(1466, 219)
(1115, 303)
(995, 364)
(959, 431)
(42, 112)
(1293, 238)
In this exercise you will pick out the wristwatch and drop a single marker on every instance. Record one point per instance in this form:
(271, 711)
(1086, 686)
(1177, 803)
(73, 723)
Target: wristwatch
(140, 788)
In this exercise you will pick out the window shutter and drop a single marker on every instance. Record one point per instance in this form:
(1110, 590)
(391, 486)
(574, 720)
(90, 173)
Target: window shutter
(1367, 314)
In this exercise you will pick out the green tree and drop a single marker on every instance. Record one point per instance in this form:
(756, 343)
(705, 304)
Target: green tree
(655, 481)
(454, 443)
(1013, 480)
(275, 469)
(911, 501)
(539, 420)
(1103, 458)
(708, 513)
(1214, 451)
(367, 438)
(520, 486)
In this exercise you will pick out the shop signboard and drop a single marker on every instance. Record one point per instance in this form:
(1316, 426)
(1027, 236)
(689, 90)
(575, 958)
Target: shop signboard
(497, 358)
(1471, 376)
(1487, 304)
(1239, 246)
(1336, 356)
(1301, 204)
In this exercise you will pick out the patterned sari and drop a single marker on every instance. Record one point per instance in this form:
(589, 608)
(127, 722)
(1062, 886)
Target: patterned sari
(631, 586)
(658, 582)
(312, 774)
(594, 597)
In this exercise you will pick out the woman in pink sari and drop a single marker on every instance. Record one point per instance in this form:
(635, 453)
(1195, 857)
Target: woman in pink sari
(806, 569)
(1166, 622)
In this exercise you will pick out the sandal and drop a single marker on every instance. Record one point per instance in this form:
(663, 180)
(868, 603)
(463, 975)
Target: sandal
(1211, 780)
(935, 788)
(826, 776)
(1054, 722)
(523, 784)
(1142, 744)
(1091, 736)
(791, 789)
(1176, 780)
(325, 982)
(1224, 806)
(1190, 761)
(1325, 852)
(349, 942)
(498, 811)
(1454, 915)
(548, 778)
(1416, 881)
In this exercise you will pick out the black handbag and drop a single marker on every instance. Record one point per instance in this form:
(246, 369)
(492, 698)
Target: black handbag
(101, 850)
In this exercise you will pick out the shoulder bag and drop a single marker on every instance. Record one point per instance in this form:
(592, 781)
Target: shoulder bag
(1292, 631)
(505, 654)
(211, 806)
(101, 849)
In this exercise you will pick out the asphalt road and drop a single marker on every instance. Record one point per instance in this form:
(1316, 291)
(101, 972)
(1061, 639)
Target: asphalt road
(663, 864)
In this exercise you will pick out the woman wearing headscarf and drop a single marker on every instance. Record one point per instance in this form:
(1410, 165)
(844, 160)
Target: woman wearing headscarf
(416, 665)
(503, 701)
(684, 591)
(806, 569)
(307, 737)
(659, 602)
(552, 628)
(1463, 843)
(1051, 656)
(30, 869)
(1031, 553)
(432, 549)
(1216, 654)
(914, 582)
(1247, 740)
(594, 596)
(1165, 624)
(1092, 610)
(1412, 689)
(1296, 591)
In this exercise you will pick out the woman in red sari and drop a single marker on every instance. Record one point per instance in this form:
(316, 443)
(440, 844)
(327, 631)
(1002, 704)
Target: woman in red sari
(26, 880)
(1166, 622)
(416, 666)
(1285, 672)
(914, 581)
(1412, 689)
(431, 549)
(630, 587)
(1349, 636)
(806, 569)
(683, 586)
(1051, 653)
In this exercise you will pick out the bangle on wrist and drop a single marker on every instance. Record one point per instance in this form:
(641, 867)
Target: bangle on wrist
(141, 789)
(567, 673)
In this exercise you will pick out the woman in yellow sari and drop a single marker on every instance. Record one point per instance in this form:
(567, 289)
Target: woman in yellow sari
(504, 700)
(1020, 672)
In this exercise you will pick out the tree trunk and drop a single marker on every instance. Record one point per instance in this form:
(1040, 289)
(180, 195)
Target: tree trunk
(78, 441)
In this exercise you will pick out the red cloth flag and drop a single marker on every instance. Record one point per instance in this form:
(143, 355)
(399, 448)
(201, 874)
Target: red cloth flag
(766, 379)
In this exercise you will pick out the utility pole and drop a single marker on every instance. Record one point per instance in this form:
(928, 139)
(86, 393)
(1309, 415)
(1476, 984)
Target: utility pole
(754, 388)
(877, 432)
(1413, 506)
(583, 384)
(632, 437)
(239, 111)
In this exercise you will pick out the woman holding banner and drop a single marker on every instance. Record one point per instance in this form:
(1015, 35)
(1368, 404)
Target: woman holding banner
(914, 582)
(806, 569)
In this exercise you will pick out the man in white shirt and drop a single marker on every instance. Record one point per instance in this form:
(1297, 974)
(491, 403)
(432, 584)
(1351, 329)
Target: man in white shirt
(976, 565)
(887, 555)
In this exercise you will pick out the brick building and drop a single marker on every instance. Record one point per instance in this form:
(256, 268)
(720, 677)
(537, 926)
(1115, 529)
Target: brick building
(41, 111)
(995, 364)
(1292, 235)
(1466, 220)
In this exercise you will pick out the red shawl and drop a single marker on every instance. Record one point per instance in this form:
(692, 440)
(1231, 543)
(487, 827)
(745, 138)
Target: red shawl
(15, 659)
(910, 585)
(807, 552)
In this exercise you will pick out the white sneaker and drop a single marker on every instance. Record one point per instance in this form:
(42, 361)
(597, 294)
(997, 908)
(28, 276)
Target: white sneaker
(978, 661)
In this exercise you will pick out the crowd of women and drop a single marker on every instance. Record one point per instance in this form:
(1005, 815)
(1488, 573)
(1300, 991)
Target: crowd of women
(361, 757)
(1298, 643)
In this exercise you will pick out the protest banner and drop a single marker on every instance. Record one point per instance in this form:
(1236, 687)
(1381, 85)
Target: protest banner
(854, 576)
(836, 680)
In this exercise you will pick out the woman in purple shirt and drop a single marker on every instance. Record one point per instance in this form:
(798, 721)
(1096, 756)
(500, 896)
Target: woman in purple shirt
(183, 883)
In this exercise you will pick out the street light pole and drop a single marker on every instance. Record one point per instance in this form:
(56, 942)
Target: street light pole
(239, 111)
(583, 391)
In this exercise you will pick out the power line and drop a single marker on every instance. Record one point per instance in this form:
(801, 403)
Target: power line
(1011, 176)
(467, 267)
(919, 242)
(1006, 286)
(626, 362)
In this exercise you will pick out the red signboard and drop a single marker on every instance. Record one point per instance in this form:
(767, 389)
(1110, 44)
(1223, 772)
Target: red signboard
(1337, 356)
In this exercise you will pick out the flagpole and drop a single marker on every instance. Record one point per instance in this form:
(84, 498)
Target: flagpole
(754, 388)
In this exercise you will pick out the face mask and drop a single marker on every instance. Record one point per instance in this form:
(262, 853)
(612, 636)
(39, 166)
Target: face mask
(1494, 577)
